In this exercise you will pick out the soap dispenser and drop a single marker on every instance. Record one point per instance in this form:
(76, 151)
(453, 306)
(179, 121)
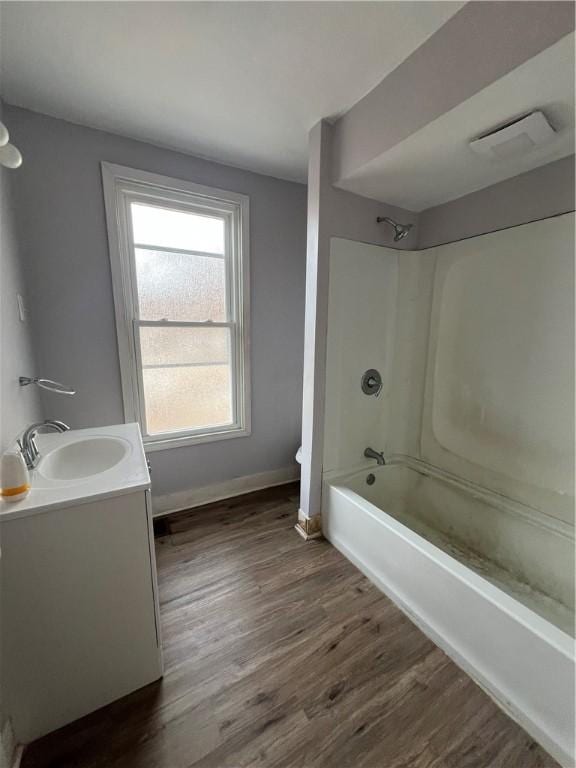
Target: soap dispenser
(14, 477)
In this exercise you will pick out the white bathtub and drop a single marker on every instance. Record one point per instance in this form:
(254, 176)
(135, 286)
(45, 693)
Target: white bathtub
(423, 538)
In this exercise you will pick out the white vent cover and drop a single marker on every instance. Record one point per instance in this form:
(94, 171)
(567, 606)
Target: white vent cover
(515, 138)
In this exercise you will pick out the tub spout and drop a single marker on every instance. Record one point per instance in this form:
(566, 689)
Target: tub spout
(370, 453)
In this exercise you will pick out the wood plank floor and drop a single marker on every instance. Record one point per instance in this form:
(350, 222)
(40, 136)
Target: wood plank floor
(280, 654)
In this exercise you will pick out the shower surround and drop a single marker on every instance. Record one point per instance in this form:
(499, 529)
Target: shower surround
(471, 529)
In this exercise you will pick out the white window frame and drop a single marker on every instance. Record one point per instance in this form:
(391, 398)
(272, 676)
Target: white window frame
(123, 186)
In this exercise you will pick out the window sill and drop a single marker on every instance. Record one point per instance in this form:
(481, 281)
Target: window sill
(164, 444)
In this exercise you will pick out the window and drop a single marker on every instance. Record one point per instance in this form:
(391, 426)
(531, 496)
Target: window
(179, 260)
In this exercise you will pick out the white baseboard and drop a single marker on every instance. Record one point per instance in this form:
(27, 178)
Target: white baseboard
(307, 536)
(167, 503)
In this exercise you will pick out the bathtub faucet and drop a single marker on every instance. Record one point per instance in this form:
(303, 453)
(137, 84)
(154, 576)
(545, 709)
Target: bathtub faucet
(370, 453)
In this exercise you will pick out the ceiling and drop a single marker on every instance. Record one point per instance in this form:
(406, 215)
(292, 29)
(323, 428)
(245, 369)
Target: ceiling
(435, 164)
(238, 82)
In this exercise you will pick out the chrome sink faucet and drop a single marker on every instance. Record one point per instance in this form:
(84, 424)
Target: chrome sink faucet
(370, 453)
(28, 445)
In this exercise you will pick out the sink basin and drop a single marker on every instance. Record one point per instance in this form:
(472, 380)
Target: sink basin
(83, 465)
(83, 458)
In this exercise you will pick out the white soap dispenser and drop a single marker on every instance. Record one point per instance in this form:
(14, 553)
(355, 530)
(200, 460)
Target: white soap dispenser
(14, 477)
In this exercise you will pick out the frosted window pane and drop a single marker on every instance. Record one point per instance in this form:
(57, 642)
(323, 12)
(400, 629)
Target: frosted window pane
(178, 286)
(187, 398)
(186, 376)
(183, 346)
(170, 228)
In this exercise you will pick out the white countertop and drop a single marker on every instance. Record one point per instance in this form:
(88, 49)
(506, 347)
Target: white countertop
(128, 475)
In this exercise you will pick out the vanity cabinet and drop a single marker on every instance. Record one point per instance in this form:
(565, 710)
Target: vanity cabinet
(80, 620)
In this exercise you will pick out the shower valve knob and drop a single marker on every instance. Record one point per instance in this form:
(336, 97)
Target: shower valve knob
(371, 382)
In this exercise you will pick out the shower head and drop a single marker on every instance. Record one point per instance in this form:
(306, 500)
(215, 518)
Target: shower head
(400, 230)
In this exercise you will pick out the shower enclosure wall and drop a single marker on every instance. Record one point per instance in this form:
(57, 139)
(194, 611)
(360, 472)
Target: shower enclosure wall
(471, 529)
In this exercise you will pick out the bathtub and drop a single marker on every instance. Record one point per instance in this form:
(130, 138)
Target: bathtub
(489, 581)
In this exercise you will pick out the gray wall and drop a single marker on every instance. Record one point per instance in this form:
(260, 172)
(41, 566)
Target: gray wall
(537, 194)
(62, 229)
(18, 406)
(331, 213)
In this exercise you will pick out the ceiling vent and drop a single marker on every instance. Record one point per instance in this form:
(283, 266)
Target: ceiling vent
(515, 138)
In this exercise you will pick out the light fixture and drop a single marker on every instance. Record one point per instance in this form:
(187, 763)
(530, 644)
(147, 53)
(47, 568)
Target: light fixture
(10, 157)
(4, 135)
